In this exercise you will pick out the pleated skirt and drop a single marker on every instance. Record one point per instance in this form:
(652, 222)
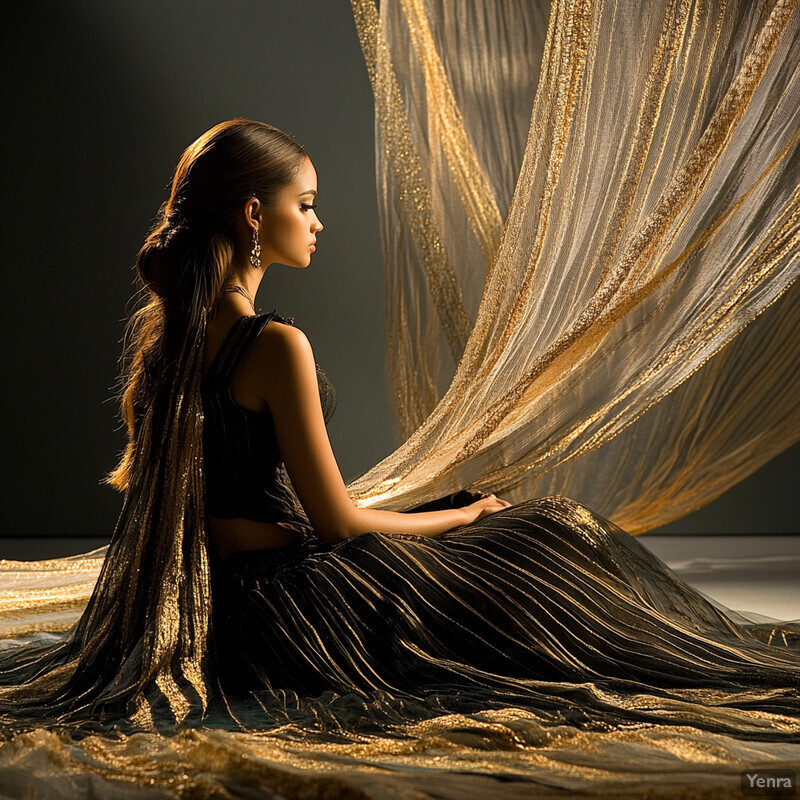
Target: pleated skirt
(539, 594)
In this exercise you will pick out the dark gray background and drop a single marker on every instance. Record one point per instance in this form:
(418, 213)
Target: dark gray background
(99, 101)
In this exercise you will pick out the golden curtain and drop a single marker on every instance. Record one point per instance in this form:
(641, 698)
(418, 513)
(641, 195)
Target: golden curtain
(590, 222)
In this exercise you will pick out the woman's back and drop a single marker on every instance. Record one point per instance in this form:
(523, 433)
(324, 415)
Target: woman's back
(249, 498)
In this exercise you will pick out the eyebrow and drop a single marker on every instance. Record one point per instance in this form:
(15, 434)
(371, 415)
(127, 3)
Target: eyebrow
(308, 191)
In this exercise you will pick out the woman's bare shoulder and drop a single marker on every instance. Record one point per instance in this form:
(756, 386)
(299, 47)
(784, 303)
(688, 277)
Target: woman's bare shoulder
(278, 335)
(282, 348)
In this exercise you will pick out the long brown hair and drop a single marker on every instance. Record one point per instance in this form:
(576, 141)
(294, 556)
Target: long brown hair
(186, 258)
(160, 615)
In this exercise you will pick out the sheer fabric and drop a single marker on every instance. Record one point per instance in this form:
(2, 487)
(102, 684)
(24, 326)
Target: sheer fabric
(590, 228)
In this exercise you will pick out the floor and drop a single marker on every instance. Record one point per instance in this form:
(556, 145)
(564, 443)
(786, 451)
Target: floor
(759, 574)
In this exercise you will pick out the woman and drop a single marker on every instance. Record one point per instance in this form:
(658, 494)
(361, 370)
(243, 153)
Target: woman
(240, 570)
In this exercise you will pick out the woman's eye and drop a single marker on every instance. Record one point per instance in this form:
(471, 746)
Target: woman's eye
(307, 206)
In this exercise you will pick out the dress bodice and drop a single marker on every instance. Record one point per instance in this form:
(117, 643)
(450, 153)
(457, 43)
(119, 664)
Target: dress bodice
(245, 476)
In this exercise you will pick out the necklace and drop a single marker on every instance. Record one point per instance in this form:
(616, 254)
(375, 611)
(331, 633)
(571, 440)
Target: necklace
(240, 290)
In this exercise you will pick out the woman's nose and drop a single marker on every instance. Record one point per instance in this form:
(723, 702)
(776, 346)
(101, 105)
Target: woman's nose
(317, 226)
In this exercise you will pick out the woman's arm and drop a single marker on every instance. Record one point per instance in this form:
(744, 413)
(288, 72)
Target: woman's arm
(287, 380)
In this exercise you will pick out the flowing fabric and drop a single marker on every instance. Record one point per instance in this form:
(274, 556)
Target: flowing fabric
(590, 226)
(506, 647)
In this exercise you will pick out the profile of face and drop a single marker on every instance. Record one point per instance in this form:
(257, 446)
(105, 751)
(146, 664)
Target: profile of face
(288, 233)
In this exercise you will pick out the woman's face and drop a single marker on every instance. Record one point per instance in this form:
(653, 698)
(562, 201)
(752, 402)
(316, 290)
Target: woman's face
(290, 227)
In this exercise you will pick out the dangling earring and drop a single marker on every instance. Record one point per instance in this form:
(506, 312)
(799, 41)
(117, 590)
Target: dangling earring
(255, 253)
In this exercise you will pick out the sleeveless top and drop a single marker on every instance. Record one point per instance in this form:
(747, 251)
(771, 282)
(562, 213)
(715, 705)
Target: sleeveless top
(245, 476)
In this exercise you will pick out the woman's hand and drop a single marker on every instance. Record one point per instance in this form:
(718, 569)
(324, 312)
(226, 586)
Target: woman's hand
(481, 508)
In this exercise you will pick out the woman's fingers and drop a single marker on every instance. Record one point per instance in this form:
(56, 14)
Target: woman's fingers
(500, 500)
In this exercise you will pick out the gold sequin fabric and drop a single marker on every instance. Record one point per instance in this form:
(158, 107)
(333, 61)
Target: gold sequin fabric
(591, 228)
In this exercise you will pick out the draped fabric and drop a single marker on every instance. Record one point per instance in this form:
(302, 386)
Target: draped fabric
(590, 225)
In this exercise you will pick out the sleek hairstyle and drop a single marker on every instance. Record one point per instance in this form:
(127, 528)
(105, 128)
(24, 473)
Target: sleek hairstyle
(186, 258)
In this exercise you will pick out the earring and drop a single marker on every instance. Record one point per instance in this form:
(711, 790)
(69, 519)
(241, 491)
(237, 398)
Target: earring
(255, 253)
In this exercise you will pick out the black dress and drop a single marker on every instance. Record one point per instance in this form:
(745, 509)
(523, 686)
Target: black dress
(543, 605)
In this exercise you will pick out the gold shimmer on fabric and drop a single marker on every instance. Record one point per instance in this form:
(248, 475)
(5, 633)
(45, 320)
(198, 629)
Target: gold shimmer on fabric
(413, 195)
(473, 186)
(703, 697)
(655, 217)
(590, 592)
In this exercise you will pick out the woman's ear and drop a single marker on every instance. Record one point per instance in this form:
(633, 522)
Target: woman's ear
(252, 212)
